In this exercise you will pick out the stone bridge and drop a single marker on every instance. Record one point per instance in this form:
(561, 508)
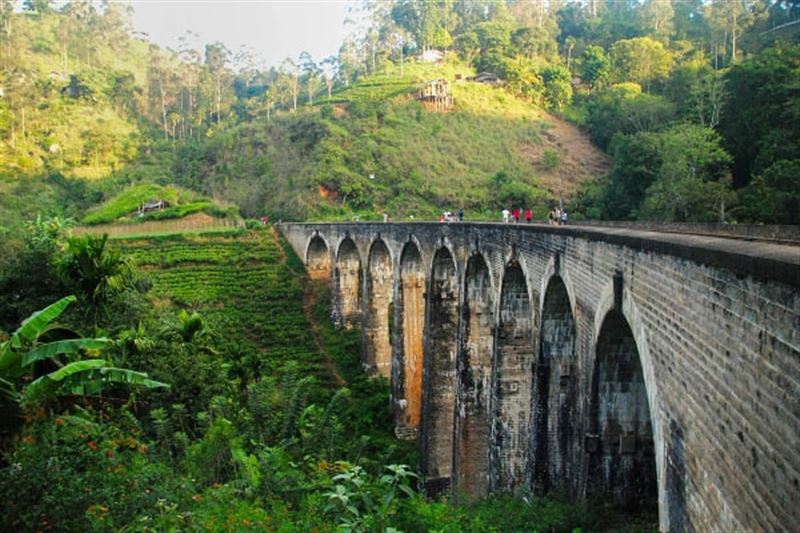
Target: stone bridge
(647, 368)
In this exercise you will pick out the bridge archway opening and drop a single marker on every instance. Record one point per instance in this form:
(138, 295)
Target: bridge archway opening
(347, 285)
(411, 307)
(439, 378)
(555, 392)
(318, 259)
(622, 465)
(473, 420)
(377, 327)
(514, 364)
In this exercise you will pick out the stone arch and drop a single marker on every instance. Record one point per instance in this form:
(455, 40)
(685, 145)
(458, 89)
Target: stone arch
(555, 450)
(411, 325)
(347, 278)
(513, 368)
(621, 444)
(439, 372)
(473, 415)
(377, 319)
(318, 259)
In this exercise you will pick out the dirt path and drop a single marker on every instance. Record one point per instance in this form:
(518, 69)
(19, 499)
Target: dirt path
(309, 302)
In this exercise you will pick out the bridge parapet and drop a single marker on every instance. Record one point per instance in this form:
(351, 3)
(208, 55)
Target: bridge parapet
(610, 360)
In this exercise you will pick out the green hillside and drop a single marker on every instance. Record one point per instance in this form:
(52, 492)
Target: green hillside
(243, 282)
(375, 148)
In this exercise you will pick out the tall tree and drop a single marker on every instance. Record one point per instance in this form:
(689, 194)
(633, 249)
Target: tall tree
(657, 19)
(157, 75)
(311, 75)
(290, 74)
(217, 59)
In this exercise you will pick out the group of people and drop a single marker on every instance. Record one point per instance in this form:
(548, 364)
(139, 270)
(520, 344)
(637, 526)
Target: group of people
(556, 217)
(516, 213)
(449, 216)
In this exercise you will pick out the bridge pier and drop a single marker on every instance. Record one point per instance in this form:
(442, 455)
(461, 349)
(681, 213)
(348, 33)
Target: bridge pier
(555, 393)
(377, 306)
(409, 343)
(512, 384)
(439, 373)
(474, 382)
(347, 285)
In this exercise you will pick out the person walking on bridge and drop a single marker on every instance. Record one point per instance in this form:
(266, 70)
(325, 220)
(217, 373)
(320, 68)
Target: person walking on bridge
(516, 214)
(506, 214)
(528, 215)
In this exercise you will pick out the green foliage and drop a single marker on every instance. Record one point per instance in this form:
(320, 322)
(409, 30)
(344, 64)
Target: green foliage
(86, 377)
(75, 377)
(77, 473)
(759, 119)
(557, 87)
(595, 66)
(640, 60)
(95, 272)
(774, 196)
(126, 204)
(550, 159)
(623, 108)
(677, 175)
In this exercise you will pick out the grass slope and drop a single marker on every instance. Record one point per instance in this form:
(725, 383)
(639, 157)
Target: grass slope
(123, 206)
(246, 284)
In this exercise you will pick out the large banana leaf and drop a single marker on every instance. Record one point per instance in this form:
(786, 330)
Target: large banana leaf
(96, 380)
(46, 386)
(83, 377)
(33, 325)
(11, 365)
(63, 347)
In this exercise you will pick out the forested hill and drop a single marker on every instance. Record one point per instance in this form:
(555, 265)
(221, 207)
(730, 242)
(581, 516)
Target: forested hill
(694, 102)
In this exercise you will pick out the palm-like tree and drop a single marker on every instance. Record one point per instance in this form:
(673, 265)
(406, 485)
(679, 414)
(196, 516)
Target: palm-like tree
(94, 270)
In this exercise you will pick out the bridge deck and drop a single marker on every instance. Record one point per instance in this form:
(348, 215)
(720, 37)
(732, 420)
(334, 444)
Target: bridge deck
(767, 258)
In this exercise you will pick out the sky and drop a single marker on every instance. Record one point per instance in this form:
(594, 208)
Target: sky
(273, 29)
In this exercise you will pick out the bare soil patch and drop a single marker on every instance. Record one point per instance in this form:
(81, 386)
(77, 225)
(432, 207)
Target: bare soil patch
(580, 160)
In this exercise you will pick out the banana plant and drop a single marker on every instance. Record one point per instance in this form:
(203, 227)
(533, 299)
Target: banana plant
(75, 377)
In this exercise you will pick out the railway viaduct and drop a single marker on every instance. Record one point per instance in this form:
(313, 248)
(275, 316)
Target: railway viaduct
(649, 368)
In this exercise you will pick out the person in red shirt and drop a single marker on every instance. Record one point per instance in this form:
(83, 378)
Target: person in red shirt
(516, 214)
(528, 215)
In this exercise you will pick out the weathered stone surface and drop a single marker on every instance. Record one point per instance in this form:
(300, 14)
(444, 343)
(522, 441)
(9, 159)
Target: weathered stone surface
(409, 344)
(623, 464)
(347, 289)
(474, 379)
(440, 372)
(318, 259)
(555, 444)
(377, 341)
(512, 384)
(712, 343)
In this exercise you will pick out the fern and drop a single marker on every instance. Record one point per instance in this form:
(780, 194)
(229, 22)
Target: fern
(295, 404)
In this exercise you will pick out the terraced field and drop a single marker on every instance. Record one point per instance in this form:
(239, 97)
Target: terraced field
(248, 283)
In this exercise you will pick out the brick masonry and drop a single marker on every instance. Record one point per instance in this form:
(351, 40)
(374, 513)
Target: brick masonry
(677, 351)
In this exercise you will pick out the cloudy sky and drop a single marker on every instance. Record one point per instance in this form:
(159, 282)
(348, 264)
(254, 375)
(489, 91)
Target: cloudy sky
(274, 29)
